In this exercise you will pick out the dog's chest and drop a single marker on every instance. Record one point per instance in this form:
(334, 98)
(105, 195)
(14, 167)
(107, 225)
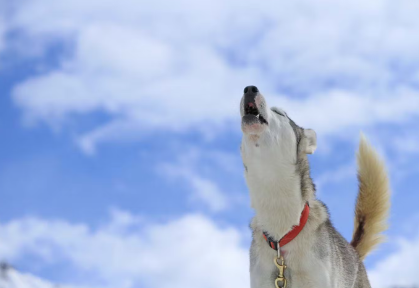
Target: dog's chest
(304, 268)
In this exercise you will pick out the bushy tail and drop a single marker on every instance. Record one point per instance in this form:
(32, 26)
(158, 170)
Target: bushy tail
(373, 202)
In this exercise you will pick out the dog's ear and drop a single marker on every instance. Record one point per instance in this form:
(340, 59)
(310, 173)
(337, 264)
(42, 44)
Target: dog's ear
(310, 141)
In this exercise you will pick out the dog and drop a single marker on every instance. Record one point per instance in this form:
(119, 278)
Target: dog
(312, 253)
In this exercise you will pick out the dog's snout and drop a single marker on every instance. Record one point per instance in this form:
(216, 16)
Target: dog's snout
(250, 93)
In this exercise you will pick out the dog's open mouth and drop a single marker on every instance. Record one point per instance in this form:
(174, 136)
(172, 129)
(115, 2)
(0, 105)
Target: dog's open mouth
(251, 113)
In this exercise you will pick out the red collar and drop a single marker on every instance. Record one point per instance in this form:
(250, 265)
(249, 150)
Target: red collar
(290, 235)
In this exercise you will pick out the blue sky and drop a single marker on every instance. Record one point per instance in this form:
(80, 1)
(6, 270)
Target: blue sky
(119, 128)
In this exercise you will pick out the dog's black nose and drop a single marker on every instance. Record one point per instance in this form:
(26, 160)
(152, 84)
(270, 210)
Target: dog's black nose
(250, 93)
(251, 89)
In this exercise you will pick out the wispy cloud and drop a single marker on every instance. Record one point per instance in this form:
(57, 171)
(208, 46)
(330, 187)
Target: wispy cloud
(191, 251)
(192, 167)
(400, 268)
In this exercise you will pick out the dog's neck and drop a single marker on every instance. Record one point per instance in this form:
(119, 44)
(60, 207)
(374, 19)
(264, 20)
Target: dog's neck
(278, 206)
(278, 192)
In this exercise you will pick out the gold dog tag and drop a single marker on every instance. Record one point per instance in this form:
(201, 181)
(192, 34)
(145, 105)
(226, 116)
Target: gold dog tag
(280, 280)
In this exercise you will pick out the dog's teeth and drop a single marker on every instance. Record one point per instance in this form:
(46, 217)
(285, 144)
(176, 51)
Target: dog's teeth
(258, 115)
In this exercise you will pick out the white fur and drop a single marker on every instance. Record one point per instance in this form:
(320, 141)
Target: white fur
(275, 194)
(269, 158)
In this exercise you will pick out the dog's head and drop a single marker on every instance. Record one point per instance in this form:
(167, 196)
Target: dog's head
(271, 140)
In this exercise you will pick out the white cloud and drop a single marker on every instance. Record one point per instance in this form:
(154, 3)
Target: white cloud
(176, 66)
(399, 269)
(191, 251)
(10, 278)
(336, 111)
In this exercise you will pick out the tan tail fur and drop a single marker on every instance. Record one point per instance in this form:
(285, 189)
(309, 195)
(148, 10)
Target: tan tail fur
(373, 202)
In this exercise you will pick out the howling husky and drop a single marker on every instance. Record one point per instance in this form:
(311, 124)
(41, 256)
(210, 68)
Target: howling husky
(294, 243)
